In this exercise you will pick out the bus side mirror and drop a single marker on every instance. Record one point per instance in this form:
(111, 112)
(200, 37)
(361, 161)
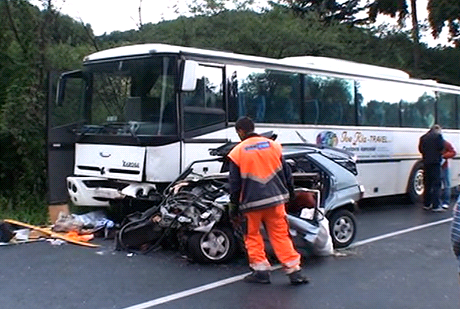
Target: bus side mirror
(189, 77)
(60, 92)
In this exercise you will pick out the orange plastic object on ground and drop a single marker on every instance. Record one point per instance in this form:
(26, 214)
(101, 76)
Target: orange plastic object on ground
(75, 236)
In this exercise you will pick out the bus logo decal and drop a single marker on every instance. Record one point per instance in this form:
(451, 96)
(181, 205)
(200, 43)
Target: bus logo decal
(327, 138)
(130, 164)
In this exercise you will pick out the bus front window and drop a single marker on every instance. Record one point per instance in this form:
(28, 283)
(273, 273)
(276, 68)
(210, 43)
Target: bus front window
(133, 97)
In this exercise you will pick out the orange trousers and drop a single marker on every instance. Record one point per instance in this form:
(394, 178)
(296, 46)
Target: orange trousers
(276, 225)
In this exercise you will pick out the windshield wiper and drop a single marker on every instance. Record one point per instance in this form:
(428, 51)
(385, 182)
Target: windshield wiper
(112, 128)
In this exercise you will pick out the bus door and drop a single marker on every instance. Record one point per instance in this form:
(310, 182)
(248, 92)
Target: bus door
(63, 118)
(204, 114)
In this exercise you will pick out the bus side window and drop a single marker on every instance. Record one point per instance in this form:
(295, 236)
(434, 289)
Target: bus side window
(196, 97)
(233, 98)
(417, 107)
(329, 100)
(378, 103)
(311, 111)
(446, 110)
(268, 96)
(205, 105)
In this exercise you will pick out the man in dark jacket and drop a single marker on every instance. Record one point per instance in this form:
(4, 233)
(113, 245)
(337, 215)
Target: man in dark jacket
(431, 146)
(260, 184)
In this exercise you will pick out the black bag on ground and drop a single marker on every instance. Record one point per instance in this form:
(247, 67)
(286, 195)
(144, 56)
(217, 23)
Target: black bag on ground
(6, 232)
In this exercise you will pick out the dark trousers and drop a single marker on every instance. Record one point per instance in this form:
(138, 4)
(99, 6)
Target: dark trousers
(432, 183)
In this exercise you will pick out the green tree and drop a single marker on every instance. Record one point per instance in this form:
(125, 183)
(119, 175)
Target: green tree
(441, 12)
(392, 8)
(399, 8)
(328, 10)
(213, 7)
(32, 44)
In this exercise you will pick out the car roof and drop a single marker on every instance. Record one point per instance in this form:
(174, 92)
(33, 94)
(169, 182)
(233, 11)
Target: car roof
(341, 157)
(293, 149)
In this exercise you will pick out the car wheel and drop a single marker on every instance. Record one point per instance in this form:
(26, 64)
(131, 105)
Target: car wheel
(216, 246)
(342, 225)
(416, 186)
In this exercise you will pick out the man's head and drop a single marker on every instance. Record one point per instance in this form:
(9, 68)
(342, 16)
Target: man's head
(244, 126)
(436, 128)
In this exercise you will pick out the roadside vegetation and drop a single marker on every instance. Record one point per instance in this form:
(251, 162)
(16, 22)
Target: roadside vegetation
(30, 209)
(35, 43)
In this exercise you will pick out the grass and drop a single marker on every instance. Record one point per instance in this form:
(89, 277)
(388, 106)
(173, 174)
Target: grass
(33, 209)
(28, 209)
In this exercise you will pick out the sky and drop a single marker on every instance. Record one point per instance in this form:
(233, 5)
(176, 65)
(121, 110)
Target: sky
(106, 16)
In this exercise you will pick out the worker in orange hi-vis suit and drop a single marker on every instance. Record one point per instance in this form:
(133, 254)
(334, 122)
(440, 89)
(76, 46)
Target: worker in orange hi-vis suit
(260, 184)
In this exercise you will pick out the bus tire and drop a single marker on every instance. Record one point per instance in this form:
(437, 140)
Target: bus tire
(342, 226)
(416, 187)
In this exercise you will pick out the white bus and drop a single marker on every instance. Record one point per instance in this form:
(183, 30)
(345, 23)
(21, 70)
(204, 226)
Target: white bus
(134, 117)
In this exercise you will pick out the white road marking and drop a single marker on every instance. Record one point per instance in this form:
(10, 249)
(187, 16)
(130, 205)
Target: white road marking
(196, 290)
(186, 293)
(411, 229)
(213, 285)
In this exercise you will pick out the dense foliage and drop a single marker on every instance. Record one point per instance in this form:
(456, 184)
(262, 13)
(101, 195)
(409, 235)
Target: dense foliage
(445, 13)
(34, 43)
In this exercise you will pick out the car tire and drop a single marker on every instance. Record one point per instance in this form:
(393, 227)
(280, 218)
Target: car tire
(415, 187)
(342, 226)
(217, 246)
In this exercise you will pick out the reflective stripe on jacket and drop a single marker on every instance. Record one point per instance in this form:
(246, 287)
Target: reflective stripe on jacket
(259, 177)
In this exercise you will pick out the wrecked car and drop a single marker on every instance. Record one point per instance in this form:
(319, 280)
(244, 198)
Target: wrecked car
(193, 215)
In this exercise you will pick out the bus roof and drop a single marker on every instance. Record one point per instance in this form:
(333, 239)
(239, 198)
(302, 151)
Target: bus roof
(309, 62)
(345, 66)
(148, 49)
(314, 63)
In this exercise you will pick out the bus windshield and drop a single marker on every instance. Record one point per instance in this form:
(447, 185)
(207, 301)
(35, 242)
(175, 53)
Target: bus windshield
(129, 97)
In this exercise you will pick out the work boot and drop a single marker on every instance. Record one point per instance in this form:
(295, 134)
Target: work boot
(297, 278)
(258, 276)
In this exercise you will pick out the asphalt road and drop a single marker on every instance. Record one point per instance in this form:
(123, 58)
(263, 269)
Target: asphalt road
(402, 258)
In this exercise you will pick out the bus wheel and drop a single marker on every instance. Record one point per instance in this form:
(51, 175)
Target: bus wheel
(416, 187)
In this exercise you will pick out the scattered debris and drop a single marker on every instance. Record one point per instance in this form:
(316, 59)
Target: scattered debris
(340, 254)
(95, 223)
(22, 234)
(50, 234)
(56, 242)
(88, 222)
(75, 229)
